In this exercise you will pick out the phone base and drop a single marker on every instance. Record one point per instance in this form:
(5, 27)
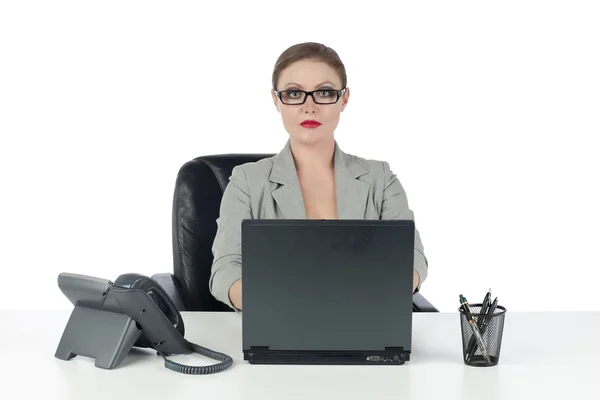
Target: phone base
(104, 335)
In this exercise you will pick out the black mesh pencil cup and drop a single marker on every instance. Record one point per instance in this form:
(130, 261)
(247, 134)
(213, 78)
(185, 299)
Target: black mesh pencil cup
(483, 331)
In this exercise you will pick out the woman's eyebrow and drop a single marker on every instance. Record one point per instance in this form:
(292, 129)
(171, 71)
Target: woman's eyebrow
(300, 86)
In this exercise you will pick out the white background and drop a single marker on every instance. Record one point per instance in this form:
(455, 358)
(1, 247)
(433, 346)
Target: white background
(488, 112)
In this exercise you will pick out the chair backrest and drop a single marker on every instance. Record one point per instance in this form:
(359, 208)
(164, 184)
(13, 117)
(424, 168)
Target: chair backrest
(196, 201)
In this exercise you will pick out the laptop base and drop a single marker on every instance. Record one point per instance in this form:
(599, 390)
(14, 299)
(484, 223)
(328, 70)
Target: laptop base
(390, 356)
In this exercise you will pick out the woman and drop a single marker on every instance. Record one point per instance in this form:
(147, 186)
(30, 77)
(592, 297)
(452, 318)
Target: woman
(311, 177)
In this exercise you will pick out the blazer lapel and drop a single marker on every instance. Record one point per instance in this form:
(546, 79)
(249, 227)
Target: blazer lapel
(351, 193)
(288, 196)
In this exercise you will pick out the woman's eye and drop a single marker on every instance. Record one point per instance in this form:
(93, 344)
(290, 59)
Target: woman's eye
(294, 93)
(324, 93)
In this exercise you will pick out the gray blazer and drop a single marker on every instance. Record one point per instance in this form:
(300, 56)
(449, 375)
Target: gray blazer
(270, 189)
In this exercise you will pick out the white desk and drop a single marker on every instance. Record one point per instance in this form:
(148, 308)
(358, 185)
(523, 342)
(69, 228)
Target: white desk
(544, 356)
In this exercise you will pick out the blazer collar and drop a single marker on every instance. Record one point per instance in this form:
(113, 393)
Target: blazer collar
(351, 193)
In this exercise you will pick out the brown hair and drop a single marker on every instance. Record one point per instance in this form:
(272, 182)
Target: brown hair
(313, 51)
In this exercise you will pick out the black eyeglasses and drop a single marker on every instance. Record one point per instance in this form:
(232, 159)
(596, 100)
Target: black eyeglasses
(321, 96)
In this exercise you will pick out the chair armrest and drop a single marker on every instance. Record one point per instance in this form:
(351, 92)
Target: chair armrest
(420, 304)
(167, 282)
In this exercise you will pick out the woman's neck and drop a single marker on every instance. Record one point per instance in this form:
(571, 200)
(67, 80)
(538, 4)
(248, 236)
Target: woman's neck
(319, 156)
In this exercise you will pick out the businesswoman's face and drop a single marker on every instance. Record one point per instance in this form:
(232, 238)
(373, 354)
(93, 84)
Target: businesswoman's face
(310, 120)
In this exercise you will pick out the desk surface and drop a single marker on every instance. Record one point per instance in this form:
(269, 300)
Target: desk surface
(559, 359)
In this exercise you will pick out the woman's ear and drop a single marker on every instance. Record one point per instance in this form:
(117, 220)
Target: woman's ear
(345, 98)
(275, 100)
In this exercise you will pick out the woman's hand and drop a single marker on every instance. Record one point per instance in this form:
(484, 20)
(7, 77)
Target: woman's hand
(235, 294)
(415, 280)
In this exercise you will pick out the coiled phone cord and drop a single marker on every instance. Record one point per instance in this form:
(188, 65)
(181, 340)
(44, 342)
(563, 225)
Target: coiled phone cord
(225, 363)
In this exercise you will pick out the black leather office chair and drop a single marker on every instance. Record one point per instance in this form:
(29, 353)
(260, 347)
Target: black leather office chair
(198, 191)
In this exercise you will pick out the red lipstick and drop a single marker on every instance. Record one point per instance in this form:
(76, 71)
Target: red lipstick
(310, 123)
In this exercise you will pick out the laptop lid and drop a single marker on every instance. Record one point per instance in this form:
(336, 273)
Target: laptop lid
(313, 285)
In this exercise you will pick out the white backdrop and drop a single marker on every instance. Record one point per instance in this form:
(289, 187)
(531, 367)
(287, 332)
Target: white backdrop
(492, 108)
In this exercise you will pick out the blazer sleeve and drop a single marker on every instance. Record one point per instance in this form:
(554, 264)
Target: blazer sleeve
(395, 206)
(227, 246)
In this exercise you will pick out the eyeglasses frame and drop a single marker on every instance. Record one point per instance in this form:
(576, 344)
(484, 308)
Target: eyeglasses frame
(340, 93)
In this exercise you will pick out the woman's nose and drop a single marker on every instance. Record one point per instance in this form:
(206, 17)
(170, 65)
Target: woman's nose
(310, 105)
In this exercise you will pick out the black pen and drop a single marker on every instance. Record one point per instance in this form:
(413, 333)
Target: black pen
(471, 348)
(486, 319)
(485, 322)
(484, 306)
(465, 307)
(488, 298)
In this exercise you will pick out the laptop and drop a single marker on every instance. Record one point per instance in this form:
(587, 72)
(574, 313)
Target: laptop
(327, 291)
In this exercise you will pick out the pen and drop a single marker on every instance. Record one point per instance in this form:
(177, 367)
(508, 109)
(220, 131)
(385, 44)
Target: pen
(465, 307)
(471, 348)
(485, 322)
(485, 303)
